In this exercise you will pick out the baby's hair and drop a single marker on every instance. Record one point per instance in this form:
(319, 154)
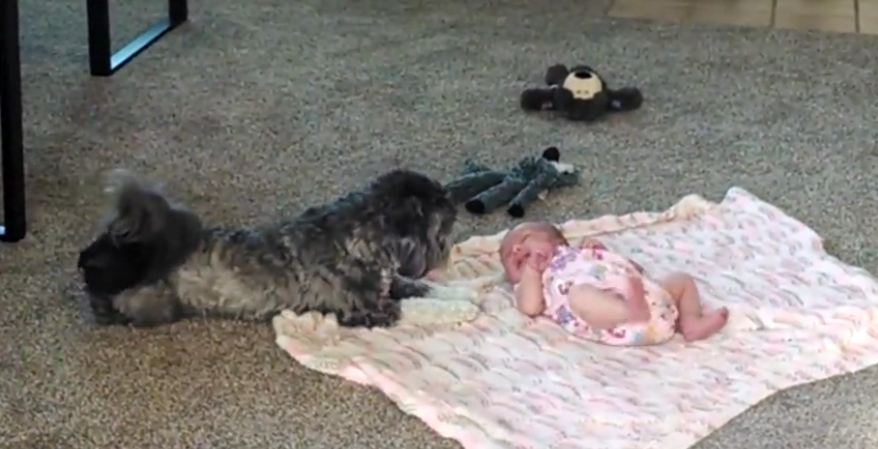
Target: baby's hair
(554, 231)
(542, 226)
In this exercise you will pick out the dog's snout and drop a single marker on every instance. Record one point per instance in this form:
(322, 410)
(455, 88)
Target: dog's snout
(90, 261)
(82, 261)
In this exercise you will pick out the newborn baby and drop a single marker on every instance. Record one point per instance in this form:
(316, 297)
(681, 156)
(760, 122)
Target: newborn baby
(600, 295)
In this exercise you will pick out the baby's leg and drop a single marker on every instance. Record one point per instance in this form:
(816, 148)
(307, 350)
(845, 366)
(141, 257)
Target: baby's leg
(693, 323)
(597, 308)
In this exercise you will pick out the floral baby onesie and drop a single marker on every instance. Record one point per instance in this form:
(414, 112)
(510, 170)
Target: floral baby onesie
(595, 265)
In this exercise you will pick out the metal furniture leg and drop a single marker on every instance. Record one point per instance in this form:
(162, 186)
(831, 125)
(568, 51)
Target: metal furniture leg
(14, 226)
(102, 61)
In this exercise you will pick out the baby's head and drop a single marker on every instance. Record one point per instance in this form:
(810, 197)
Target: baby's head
(523, 240)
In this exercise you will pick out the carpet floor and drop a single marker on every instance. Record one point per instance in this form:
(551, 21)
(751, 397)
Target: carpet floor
(258, 109)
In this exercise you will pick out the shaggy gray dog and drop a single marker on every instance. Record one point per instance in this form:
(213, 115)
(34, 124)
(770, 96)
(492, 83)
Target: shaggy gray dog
(357, 257)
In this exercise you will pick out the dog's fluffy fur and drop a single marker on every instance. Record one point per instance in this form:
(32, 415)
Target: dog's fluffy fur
(357, 257)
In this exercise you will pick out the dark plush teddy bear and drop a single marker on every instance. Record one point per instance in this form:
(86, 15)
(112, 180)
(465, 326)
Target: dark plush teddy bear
(483, 189)
(579, 94)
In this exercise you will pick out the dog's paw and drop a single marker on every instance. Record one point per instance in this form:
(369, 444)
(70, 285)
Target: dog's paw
(383, 313)
(386, 282)
(100, 312)
(427, 311)
(312, 327)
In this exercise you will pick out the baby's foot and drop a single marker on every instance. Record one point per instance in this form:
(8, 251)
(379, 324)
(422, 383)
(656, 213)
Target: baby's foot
(709, 323)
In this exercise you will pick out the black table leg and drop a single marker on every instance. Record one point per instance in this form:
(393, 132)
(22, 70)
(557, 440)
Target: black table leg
(102, 61)
(14, 226)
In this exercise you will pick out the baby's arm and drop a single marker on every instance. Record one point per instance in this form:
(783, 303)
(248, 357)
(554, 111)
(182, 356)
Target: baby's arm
(529, 293)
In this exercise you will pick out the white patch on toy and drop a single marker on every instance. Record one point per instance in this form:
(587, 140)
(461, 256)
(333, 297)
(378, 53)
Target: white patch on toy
(583, 85)
(562, 167)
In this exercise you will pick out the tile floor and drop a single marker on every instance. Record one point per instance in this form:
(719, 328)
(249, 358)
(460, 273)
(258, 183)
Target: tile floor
(844, 16)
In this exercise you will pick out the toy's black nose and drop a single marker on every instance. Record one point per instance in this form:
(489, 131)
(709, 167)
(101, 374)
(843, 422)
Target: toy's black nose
(583, 75)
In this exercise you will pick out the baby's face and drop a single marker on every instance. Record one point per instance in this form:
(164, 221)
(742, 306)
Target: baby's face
(524, 241)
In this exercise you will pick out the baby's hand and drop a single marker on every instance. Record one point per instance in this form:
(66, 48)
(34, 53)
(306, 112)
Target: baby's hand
(593, 244)
(530, 275)
(538, 261)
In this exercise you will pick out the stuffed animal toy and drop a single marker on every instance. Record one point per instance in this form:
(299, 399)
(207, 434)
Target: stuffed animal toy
(484, 190)
(579, 94)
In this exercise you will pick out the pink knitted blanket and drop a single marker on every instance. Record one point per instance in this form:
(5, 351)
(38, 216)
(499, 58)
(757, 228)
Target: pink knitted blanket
(504, 381)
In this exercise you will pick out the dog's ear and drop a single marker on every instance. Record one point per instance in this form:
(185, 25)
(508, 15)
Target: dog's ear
(101, 254)
(140, 208)
(423, 217)
(408, 218)
(140, 216)
(408, 198)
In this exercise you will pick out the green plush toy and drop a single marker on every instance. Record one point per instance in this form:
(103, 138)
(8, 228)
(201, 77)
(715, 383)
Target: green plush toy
(484, 190)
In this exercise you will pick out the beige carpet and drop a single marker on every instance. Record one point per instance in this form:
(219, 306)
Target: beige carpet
(261, 108)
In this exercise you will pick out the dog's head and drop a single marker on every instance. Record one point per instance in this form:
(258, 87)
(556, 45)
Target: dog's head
(418, 216)
(109, 267)
(143, 240)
